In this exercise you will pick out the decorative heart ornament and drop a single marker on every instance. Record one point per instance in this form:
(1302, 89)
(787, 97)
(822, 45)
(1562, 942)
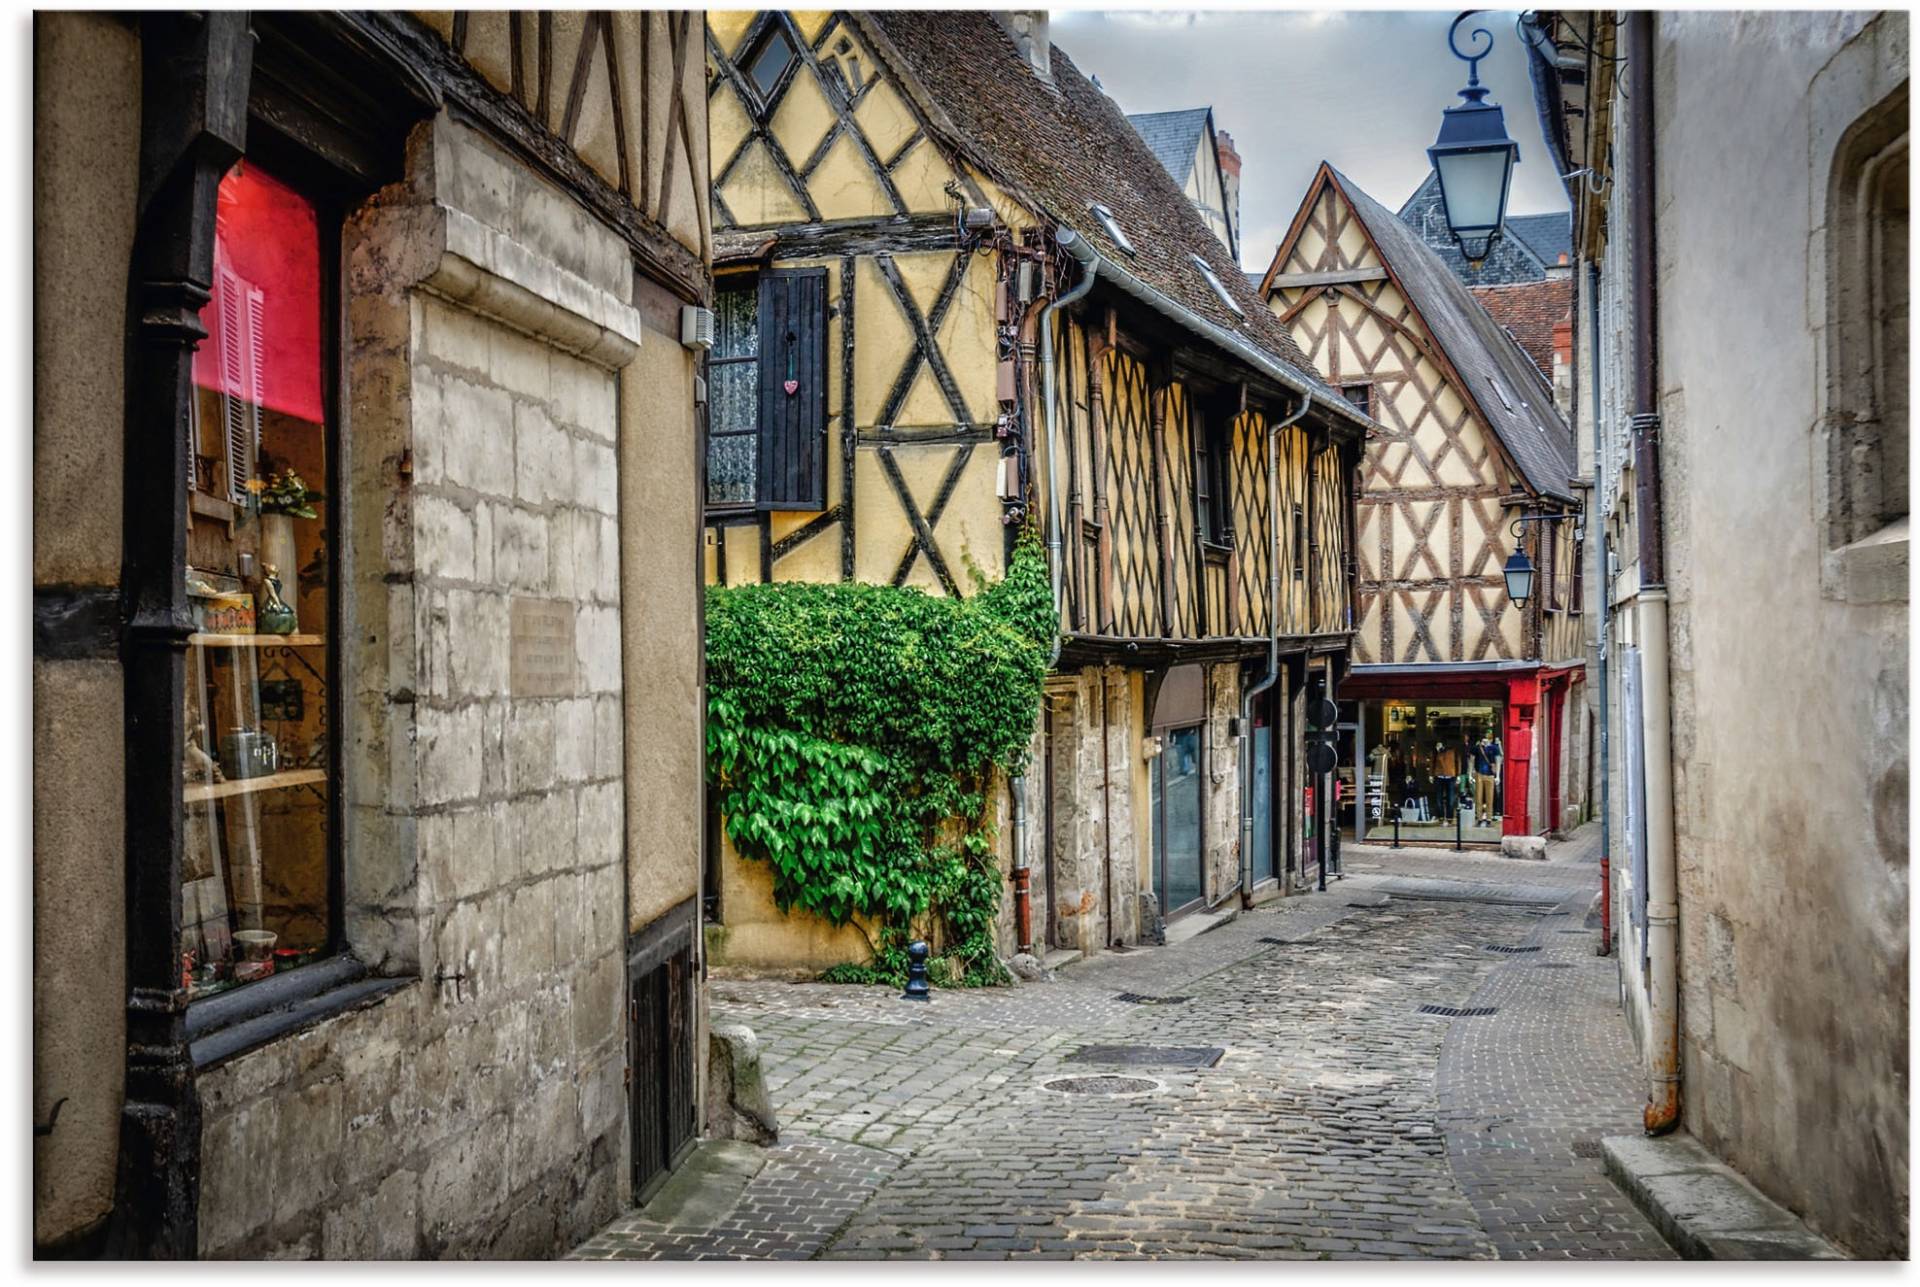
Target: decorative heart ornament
(792, 387)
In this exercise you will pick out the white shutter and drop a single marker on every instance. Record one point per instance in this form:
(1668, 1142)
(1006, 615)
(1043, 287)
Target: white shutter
(242, 309)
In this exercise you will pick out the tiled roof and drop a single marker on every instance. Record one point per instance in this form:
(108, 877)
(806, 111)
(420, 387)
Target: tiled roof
(1549, 236)
(1174, 138)
(1529, 311)
(1507, 388)
(1515, 257)
(1065, 146)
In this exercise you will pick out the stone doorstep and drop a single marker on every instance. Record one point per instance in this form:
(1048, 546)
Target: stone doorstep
(705, 1187)
(1705, 1208)
(1194, 924)
(1061, 956)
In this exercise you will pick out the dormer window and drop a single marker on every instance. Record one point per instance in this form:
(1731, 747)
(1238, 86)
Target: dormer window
(1213, 280)
(1112, 226)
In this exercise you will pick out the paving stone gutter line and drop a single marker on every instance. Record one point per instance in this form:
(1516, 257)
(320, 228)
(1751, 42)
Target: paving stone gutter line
(1705, 1208)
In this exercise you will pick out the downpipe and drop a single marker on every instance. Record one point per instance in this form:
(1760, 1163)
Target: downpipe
(1650, 606)
(1273, 643)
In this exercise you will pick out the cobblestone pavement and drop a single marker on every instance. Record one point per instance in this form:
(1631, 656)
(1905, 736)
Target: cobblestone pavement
(1339, 1122)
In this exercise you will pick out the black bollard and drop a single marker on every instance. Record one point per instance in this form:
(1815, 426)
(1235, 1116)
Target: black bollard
(1456, 827)
(917, 989)
(1396, 826)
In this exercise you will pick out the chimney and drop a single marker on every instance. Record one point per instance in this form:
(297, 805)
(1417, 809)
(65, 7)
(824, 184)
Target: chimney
(1229, 178)
(1028, 30)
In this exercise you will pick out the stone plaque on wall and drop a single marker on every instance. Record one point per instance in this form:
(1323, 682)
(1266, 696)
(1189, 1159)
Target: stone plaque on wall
(543, 662)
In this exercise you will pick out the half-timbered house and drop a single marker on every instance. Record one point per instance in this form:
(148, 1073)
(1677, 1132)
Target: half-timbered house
(1460, 721)
(908, 208)
(366, 628)
(1202, 160)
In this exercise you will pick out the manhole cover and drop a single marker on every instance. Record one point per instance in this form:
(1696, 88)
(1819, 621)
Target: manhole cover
(1586, 1148)
(1136, 998)
(1104, 1085)
(1149, 1056)
(1460, 1012)
(1510, 951)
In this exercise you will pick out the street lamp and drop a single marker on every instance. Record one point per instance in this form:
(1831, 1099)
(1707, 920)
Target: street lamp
(1519, 571)
(1473, 156)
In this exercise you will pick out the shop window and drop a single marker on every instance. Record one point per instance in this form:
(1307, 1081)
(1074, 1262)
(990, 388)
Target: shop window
(260, 851)
(766, 393)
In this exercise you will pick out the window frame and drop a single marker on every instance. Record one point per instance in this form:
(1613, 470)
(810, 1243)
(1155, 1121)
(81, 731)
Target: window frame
(1365, 399)
(762, 427)
(773, 27)
(1212, 480)
(750, 283)
(277, 156)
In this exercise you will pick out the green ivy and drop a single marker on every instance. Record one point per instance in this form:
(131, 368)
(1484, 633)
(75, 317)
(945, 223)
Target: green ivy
(852, 733)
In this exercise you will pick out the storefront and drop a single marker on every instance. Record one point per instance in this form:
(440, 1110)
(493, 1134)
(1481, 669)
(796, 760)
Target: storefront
(1446, 749)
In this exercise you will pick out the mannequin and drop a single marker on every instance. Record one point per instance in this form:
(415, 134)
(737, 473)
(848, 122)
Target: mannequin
(1486, 768)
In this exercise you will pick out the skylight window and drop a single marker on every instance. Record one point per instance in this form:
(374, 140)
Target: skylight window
(1219, 287)
(1112, 225)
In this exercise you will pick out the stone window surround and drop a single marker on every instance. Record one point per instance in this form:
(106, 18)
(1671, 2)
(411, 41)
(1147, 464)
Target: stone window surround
(1859, 106)
(436, 248)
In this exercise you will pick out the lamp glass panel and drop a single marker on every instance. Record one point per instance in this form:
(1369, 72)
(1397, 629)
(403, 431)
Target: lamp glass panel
(1474, 186)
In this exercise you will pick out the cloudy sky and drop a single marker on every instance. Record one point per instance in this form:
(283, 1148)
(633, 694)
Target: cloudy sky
(1362, 89)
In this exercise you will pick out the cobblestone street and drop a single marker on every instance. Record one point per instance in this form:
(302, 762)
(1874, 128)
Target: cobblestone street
(1338, 1121)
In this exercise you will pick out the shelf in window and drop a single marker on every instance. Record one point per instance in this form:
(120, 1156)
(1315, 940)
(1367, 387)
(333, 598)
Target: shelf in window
(200, 640)
(200, 792)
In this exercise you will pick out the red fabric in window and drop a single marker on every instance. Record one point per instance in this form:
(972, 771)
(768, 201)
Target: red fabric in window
(266, 235)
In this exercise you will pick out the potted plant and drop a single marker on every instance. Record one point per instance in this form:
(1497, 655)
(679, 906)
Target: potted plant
(281, 497)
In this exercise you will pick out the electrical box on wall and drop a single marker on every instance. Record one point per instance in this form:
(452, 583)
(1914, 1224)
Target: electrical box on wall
(1005, 390)
(696, 327)
(1010, 477)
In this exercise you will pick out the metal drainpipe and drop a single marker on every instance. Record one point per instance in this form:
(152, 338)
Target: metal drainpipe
(1663, 910)
(1075, 245)
(1597, 534)
(1273, 642)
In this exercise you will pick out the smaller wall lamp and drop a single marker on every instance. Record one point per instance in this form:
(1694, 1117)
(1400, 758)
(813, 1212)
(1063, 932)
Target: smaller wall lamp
(1519, 572)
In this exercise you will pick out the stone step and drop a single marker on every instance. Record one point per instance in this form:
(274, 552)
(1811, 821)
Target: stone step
(1704, 1207)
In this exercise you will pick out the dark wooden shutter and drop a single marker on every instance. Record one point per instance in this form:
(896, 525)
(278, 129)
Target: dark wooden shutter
(793, 426)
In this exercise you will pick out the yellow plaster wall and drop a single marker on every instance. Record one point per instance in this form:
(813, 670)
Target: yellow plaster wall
(758, 937)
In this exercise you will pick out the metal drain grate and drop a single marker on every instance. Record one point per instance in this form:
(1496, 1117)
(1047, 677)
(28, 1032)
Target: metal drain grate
(1461, 1012)
(1104, 1085)
(1279, 942)
(1137, 998)
(1149, 1056)
(1510, 951)
(1586, 1148)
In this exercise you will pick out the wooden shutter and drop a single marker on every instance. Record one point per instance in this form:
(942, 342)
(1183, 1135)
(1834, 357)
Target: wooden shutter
(793, 426)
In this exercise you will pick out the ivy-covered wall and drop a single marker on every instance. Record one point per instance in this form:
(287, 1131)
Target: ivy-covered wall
(857, 738)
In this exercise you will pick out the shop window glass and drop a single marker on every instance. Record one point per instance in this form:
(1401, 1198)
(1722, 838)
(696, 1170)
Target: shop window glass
(256, 893)
(1437, 765)
(1178, 849)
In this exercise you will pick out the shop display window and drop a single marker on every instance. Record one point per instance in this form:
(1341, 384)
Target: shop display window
(257, 860)
(1437, 765)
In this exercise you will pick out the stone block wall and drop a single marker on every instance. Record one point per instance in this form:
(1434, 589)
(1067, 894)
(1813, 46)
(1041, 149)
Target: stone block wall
(1094, 810)
(480, 1110)
(1221, 810)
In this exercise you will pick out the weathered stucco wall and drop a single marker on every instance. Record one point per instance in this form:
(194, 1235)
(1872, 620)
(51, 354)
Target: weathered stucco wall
(86, 154)
(479, 1110)
(1791, 772)
(660, 624)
